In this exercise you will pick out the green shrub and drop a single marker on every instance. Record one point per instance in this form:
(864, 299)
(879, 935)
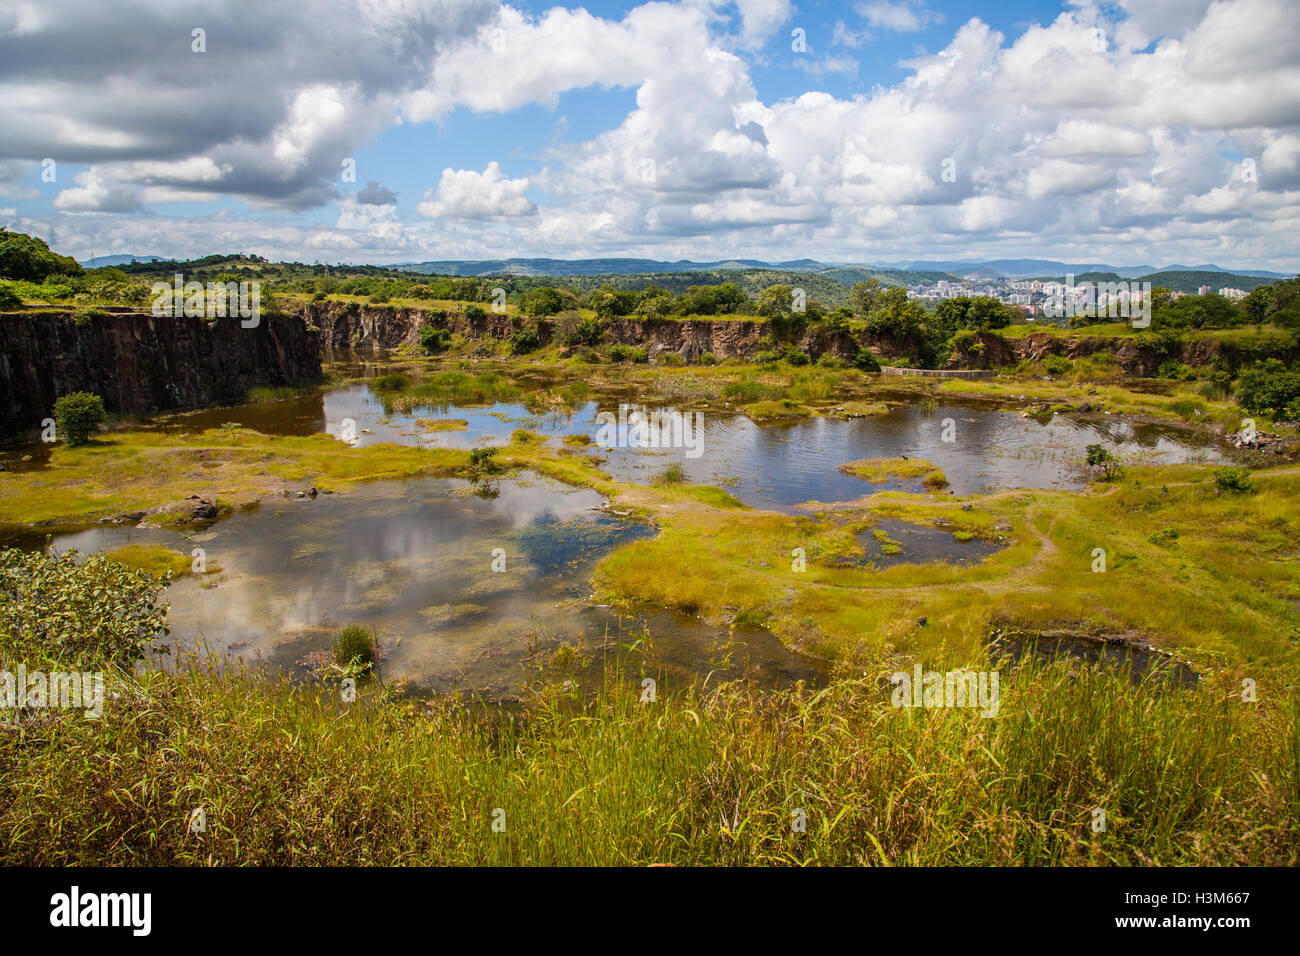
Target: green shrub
(866, 361)
(1269, 387)
(56, 609)
(474, 312)
(1236, 480)
(670, 359)
(963, 340)
(795, 356)
(9, 299)
(1175, 370)
(588, 331)
(379, 298)
(769, 357)
(827, 360)
(77, 415)
(707, 358)
(434, 340)
(1056, 364)
(523, 341)
(483, 460)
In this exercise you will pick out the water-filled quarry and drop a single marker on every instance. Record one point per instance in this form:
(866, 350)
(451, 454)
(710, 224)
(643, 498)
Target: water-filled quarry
(468, 584)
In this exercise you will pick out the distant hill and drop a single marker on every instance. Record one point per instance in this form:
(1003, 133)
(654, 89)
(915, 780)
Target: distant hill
(590, 267)
(912, 272)
(1178, 280)
(100, 262)
(1192, 280)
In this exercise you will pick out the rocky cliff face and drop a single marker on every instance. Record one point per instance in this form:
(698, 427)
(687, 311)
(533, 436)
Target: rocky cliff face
(141, 363)
(1134, 358)
(349, 325)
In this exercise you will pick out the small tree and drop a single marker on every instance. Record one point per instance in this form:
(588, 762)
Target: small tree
(1100, 456)
(77, 415)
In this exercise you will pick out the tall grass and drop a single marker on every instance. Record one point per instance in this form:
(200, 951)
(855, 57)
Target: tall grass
(287, 775)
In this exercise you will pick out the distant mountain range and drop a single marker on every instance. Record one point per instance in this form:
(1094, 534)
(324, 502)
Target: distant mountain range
(985, 269)
(595, 267)
(850, 272)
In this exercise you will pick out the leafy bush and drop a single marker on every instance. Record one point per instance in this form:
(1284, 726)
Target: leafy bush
(56, 609)
(866, 361)
(768, 357)
(588, 331)
(523, 341)
(474, 312)
(9, 299)
(795, 356)
(963, 340)
(1056, 364)
(671, 359)
(378, 298)
(434, 340)
(483, 460)
(77, 415)
(1235, 480)
(1269, 387)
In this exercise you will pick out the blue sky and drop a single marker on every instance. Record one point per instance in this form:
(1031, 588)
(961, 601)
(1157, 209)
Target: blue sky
(1146, 131)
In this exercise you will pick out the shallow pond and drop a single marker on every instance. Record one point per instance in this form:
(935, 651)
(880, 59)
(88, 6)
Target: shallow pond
(416, 560)
(775, 466)
(890, 542)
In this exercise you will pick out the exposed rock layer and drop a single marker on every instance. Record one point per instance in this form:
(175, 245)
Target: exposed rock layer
(139, 363)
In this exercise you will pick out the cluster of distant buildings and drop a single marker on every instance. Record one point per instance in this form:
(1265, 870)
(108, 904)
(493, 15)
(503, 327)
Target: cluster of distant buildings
(1227, 292)
(1032, 296)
